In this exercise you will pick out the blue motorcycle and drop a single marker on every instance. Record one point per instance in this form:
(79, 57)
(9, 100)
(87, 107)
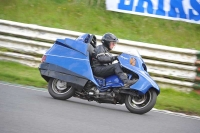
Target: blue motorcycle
(66, 68)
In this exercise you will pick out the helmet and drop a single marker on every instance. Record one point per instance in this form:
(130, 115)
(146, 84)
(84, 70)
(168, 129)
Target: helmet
(107, 38)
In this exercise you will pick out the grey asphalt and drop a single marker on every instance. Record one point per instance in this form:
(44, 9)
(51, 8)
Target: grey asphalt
(26, 110)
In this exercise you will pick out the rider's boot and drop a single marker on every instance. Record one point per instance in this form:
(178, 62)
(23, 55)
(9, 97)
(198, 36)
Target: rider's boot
(127, 82)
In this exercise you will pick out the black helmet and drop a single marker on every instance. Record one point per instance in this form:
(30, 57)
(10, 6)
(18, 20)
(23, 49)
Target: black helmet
(107, 38)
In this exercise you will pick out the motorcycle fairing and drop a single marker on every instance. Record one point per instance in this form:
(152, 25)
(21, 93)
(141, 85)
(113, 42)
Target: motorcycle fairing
(71, 55)
(112, 81)
(50, 70)
(145, 82)
(73, 44)
(84, 38)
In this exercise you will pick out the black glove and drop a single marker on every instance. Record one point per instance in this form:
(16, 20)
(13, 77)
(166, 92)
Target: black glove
(115, 58)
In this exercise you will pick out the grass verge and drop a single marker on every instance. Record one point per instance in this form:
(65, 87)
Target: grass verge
(20, 74)
(92, 17)
(168, 99)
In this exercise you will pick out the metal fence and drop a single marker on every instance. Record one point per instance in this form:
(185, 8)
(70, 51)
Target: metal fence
(171, 67)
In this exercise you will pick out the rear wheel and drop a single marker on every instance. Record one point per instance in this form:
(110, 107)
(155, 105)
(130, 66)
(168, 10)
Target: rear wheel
(141, 104)
(59, 89)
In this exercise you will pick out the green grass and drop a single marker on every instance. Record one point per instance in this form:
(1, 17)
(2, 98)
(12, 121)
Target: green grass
(20, 74)
(179, 102)
(168, 99)
(79, 15)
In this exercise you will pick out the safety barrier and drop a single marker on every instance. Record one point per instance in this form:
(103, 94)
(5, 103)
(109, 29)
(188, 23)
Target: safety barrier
(170, 67)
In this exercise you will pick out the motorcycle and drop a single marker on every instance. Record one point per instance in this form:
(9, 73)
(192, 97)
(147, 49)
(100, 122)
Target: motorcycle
(66, 68)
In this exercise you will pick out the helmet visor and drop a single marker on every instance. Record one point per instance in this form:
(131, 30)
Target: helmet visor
(113, 43)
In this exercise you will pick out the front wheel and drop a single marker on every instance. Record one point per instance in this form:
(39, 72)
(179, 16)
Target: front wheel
(59, 89)
(141, 104)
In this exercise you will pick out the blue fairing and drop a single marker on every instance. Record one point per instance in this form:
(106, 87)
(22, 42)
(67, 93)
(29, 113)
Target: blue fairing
(145, 82)
(71, 55)
(109, 82)
(73, 44)
(84, 38)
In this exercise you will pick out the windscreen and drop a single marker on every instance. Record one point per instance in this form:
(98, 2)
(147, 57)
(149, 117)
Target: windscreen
(134, 52)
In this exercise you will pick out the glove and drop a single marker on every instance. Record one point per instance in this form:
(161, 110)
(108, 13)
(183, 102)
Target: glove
(115, 58)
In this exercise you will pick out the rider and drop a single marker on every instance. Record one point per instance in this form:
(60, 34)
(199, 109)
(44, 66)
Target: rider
(102, 60)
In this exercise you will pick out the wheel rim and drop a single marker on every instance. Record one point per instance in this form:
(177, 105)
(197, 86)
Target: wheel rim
(60, 87)
(140, 101)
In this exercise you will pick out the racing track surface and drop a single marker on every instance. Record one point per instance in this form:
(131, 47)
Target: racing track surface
(30, 110)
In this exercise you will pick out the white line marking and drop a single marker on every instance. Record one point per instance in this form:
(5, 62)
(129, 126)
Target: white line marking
(176, 114)
(153, 110)
(24, 87)
(173, 113)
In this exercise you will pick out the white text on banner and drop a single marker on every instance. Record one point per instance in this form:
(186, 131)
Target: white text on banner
(183, 10)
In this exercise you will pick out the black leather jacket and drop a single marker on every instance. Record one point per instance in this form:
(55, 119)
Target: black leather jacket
(101, 56)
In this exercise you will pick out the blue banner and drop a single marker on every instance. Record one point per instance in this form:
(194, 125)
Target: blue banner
(183, 10)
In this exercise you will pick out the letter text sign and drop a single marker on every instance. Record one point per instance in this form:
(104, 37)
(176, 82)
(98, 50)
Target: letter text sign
(183, 10)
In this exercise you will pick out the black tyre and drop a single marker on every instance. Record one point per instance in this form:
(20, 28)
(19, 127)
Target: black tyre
(60, 89)
(142, 103)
